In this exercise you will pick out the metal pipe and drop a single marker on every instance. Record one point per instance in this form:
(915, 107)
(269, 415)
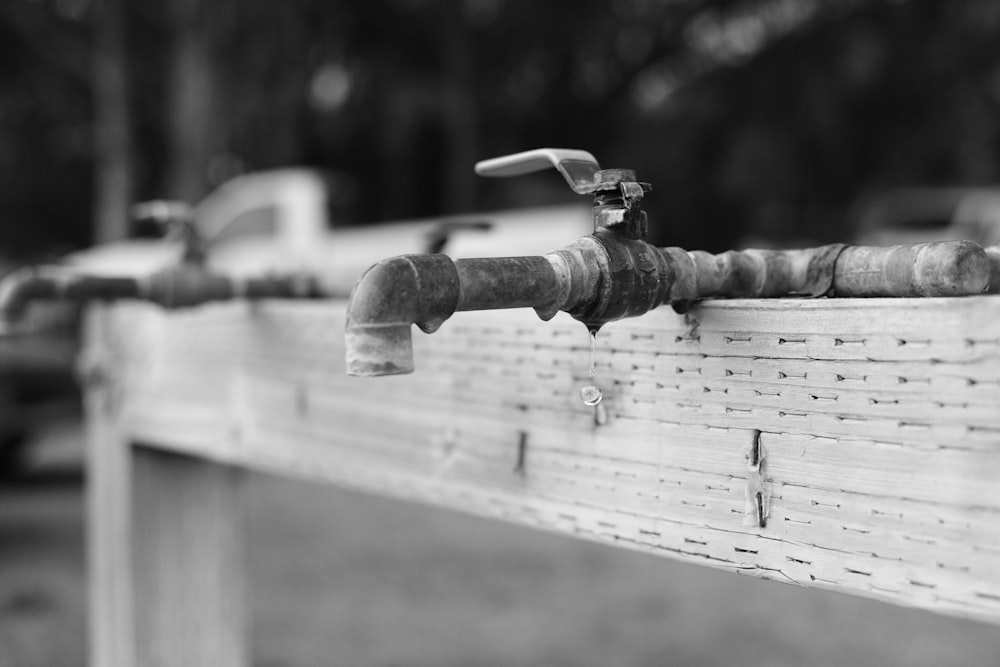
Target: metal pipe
(944, 268)
(427, 289)
(22, 286)
(187, 285)
(178, 286)
(606, 276)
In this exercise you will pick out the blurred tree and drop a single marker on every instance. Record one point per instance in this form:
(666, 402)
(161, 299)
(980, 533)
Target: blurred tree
(113, 164)
(45, 132)
(856, 99)
(753, 118)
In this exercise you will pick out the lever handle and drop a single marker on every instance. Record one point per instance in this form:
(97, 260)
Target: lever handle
(579, 168)
(946, 268)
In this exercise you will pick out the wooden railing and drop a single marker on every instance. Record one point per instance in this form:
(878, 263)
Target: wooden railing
(874, 426)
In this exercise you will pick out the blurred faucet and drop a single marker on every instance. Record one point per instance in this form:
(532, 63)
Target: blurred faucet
(614, 273)
(188, 282)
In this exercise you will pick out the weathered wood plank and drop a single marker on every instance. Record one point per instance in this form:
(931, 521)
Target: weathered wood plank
(165, 551)
(879, 421)
(109, 555)
(188, 562)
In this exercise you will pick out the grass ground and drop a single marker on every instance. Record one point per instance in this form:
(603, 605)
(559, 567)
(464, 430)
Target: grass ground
(344, 579)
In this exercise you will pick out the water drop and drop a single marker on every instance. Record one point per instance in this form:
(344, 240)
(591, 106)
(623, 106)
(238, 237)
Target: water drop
(591, 395)
(593, 350)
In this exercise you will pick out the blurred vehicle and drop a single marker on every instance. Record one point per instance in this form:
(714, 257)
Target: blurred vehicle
(909, 215)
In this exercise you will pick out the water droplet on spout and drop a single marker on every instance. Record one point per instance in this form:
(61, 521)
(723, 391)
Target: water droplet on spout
(591, 395)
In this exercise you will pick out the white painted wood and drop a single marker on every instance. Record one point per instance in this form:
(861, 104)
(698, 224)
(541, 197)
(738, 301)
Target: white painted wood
(107, 494)
(188, 563)
(880, 420)
(165, 549)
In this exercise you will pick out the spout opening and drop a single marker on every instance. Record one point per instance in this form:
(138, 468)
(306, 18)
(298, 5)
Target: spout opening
(375, 351)
(388, 299)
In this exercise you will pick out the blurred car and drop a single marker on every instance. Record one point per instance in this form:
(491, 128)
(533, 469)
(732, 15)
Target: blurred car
(910, 215)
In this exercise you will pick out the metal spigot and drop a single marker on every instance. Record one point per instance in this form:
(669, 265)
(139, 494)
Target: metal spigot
(618, 246)
(614, 273)
(617, 193)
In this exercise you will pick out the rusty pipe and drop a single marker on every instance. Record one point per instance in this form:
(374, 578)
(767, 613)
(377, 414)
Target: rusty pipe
(178, 286)
(947, 268)
(943, 268)
(606, 276)
(428, 289)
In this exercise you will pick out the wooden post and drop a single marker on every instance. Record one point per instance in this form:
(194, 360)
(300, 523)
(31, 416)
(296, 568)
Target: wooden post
(187, 565)
(165, 544)
(109, 561)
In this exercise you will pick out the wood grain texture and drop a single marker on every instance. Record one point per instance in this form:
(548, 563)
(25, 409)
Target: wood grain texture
(879, 419)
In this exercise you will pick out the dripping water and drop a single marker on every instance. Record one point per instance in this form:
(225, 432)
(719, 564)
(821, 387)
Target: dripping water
(593, 349)
(591, 394)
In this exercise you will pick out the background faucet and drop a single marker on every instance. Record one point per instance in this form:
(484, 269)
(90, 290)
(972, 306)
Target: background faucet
(186, 282)
(614, 273)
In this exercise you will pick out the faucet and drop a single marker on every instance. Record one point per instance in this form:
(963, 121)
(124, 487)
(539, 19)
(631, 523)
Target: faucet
(614, 273)
(186, 283)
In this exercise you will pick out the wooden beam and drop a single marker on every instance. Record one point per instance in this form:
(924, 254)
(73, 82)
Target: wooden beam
(165, 549)
(877, 423)
(109, 563)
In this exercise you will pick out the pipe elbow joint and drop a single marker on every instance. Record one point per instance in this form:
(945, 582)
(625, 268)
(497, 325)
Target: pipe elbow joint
(390, 296)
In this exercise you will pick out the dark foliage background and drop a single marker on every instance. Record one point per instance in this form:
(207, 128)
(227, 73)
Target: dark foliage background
(770, 120)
